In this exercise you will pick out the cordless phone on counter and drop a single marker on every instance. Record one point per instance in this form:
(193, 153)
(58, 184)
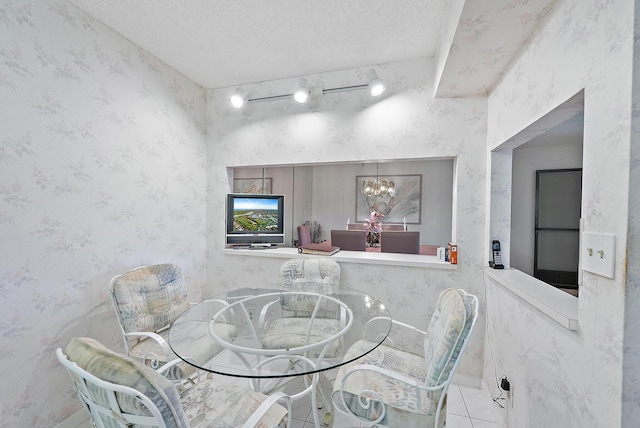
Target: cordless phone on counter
(496, 255)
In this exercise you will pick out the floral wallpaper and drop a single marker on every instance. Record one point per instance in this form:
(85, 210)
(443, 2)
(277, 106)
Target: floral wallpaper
(562, 378)
(407, 122)
(102, 169)
(631, 363)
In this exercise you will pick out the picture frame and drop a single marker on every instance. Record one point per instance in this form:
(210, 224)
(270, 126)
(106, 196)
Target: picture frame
(252, 185)
(404, 207)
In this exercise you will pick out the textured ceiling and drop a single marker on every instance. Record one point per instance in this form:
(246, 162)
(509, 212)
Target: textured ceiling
(232, 42)
(222, 43)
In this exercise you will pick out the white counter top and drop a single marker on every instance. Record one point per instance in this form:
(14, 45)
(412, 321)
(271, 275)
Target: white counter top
(558, 305)
(392, 259)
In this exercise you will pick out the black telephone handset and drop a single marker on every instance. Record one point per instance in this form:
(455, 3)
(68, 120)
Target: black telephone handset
(496, 255)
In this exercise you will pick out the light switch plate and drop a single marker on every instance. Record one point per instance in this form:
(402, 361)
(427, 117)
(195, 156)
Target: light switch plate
(599, 253)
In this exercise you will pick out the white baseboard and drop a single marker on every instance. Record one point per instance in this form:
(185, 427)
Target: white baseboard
(78, 419)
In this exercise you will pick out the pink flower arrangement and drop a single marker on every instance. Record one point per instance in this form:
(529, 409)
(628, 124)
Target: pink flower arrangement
(374, 223)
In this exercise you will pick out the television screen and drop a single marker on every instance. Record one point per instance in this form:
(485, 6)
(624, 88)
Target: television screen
(259, 214)
(255, 219)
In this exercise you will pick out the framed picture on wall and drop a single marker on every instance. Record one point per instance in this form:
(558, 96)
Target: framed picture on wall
(404, 205)
(252, 185)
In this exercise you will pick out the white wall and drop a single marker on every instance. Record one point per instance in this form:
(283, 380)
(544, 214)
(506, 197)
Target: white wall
(102, 169)
(562, 378)
(631, 363)
(406, 123)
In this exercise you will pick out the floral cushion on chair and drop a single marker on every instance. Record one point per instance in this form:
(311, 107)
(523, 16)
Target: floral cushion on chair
(320, 276)
(446, 334)
(291, 332)
(406, 406)
(224, 405)
(313, 275)
(93, 357)
(209, 403)
(151, 297)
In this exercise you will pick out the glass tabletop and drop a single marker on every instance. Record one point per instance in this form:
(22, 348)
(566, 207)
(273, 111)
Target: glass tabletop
(260, 332)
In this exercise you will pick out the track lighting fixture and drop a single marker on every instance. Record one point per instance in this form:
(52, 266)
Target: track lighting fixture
(302, 93)
(376, 87)
(237, 98)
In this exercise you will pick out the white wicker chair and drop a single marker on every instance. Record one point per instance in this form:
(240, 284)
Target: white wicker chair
(120, 392)
(391, 387)
(303, 325)
(317, 275)
(147, 301)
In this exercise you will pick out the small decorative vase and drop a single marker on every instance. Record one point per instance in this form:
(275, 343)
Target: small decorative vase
(373, 239)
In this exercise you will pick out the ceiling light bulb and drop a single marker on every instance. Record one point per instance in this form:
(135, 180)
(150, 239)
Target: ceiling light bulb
(237, 98)
(302, 93)
(376, 87)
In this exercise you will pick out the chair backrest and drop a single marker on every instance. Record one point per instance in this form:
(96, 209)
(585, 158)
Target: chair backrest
(349, 240)
(304, 235)
(396, 227)
(119, 391)
(400, 242)
(149, 298)
(448, 334)
(355, 226)
(317, 275)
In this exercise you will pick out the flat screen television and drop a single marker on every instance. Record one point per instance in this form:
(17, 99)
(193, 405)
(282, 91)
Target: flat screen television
(255, 220)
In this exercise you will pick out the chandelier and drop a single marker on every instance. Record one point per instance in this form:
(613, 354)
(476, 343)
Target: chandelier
(380, 187)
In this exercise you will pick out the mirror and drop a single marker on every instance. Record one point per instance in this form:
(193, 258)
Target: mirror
(329, 196)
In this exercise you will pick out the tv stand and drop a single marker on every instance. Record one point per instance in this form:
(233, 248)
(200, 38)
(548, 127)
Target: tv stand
(259, 246)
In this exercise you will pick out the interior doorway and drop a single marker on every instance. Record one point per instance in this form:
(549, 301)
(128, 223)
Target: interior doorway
(557, 227)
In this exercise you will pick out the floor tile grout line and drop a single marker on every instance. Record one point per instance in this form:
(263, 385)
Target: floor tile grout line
(464, 401)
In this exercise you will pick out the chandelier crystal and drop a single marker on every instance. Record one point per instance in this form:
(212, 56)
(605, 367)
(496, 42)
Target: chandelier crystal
(380, 187)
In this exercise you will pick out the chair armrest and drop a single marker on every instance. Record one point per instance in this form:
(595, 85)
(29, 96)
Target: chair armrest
(223, 305)
(141, 335)
(265, 406)
(418, 334)
(407, 326)
(365, 396)
(392, 374)
(162, 369)
(182, 383)
(394, 323)
(263, 314)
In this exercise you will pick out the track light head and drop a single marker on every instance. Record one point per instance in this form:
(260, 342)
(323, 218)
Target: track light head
(302, 94)
(376, 86)
(237, 98)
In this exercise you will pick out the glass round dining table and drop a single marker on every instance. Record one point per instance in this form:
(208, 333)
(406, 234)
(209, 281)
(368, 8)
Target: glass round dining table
(268, 335)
